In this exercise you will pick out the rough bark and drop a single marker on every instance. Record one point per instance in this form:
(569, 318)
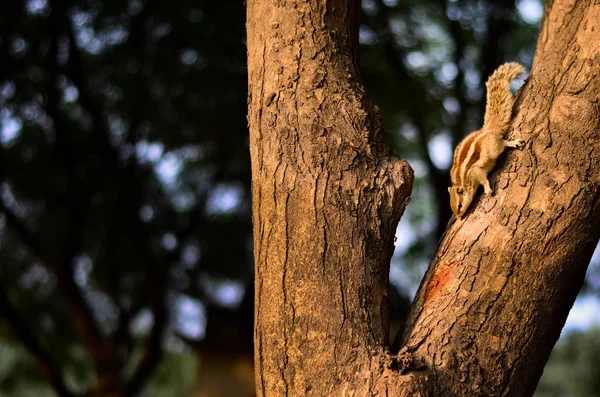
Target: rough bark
(328, 193)
(498, 292)
(327, 197)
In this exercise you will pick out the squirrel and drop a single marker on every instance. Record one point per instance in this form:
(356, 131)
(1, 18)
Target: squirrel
(475, 156)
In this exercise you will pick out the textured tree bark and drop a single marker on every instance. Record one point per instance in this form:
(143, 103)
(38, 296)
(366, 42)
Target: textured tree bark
(328, 193)
(327, 197)
(499, 289)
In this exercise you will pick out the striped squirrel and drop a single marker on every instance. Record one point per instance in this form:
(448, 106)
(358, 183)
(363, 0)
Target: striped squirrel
(476, 154)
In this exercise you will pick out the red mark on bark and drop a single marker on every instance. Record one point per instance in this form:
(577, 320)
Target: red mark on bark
(439, 280)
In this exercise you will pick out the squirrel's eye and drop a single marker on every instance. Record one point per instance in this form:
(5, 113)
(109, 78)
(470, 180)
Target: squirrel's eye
(459, 206)
(459, 190)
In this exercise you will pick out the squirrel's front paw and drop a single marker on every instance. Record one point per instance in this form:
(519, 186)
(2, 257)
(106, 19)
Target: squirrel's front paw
(519, 143)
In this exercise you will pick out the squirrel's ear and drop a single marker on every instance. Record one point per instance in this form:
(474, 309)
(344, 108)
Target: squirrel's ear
(449, 190)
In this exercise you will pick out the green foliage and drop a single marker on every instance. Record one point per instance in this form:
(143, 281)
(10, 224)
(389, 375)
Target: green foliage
(175, 376)
(19, 377)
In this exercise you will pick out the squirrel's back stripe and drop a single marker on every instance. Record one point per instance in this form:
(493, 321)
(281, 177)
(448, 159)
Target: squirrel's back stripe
(460, 157)
(473, 155)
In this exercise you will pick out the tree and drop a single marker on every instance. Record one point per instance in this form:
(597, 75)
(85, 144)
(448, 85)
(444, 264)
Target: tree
(99, 250)
(328, 193)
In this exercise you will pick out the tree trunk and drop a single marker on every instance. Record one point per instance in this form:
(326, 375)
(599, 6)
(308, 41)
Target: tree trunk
(328, 193)
(327, 197)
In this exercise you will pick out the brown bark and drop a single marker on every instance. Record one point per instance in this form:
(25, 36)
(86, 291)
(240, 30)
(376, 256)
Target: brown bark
(327, 196)
(328, 193)
(498, 292)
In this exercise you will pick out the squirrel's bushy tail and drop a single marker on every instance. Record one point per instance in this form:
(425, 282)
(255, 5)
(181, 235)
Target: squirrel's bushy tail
(499, 101)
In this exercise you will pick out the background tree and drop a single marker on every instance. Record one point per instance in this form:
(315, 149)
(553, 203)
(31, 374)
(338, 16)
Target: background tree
(124, 185)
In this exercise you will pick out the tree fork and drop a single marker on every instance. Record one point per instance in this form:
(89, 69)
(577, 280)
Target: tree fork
(328, 193)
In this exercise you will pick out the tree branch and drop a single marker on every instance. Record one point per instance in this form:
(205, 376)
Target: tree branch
(17, 225)
(511, 270)
(22, 331)
(49, 370)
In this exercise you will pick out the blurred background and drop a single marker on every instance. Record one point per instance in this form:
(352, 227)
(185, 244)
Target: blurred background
(125, 230)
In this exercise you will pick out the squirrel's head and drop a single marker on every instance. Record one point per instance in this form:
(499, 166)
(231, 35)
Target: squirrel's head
(460, 200)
